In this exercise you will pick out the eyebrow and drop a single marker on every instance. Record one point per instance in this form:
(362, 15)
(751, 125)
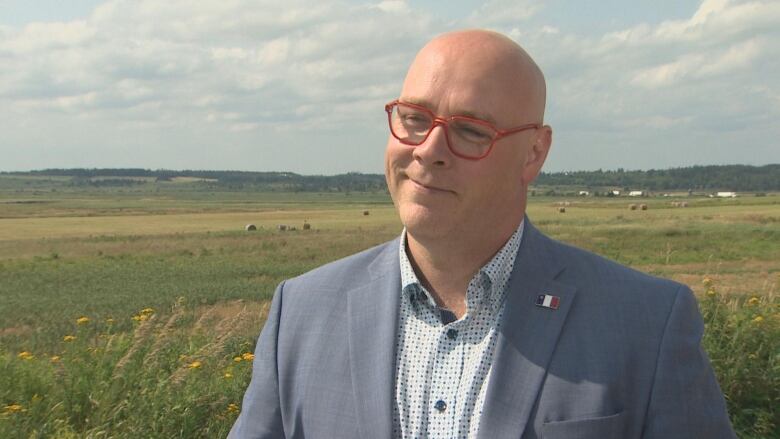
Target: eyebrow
(467, 113)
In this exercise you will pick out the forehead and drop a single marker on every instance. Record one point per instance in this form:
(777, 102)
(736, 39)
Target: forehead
(471, 84)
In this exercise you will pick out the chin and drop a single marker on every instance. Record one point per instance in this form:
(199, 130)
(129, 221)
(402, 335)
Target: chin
(423, 222)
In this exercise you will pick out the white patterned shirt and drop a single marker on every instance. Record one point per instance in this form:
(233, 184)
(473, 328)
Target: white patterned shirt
(443, 364)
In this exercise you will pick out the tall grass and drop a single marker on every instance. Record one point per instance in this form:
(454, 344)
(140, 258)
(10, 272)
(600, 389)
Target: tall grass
(181, 372)
(742, 338)
(164, 378)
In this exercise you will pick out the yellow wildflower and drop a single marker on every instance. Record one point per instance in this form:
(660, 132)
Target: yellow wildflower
(232, 408)
(237, 359)
(248, 356)
(710, 292)
(758, 319)
(147, 311)
(707, 282)
(194, 365)
(83, 320)
(141, 317)
(26, 355)
(54, 358)
(228, 375)
(13, 408)
(110, 321)
(753, 301)
(69, 338)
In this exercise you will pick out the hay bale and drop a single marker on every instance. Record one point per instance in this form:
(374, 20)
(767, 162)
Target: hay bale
(250, 227)
(306, 226)
(632, 206)
(561, 210)
(365, 213)
(643, 206)
(282, 227)
(684, 204)
(292, 228)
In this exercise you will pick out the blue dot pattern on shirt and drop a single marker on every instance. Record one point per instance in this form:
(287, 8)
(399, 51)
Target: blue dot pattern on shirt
(442, 364)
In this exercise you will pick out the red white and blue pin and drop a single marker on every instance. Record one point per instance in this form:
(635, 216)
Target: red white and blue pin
(548, 301)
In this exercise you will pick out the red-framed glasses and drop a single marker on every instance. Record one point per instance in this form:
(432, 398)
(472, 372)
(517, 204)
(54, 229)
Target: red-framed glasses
(467, 137)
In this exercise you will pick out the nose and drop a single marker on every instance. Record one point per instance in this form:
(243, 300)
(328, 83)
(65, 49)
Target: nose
(434, 151)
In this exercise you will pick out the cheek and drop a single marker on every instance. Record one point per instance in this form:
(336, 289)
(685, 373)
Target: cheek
(397, 157)
(501, 186)
(394, 163)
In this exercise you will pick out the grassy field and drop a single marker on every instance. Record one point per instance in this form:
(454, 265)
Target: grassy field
(133, 313)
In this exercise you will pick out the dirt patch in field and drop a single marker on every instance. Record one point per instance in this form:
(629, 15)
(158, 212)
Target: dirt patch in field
(232, 308)
(740, 284)
(16, 331)
(222, 314)
(729, 277)
(761, 219)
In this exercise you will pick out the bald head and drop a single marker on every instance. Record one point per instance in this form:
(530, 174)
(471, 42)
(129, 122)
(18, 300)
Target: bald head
(486, 63)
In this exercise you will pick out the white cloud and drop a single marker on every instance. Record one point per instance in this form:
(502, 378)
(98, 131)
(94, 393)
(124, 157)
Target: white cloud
(494, 13)
(697, 66)
(176, 76)
(397, 6)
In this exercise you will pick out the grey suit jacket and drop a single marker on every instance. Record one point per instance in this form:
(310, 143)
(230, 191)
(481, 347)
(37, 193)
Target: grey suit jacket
(620, 357)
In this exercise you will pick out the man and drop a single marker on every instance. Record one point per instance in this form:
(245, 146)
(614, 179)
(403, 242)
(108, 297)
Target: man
(473, 323)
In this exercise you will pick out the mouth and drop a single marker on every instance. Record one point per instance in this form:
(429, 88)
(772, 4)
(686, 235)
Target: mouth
(428, 187)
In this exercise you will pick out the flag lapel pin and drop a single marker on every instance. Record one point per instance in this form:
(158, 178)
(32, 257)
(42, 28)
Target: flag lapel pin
(548, 301)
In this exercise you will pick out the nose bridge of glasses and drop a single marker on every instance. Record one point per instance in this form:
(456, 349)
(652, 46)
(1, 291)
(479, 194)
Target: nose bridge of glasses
(444, 124)
(440, 121)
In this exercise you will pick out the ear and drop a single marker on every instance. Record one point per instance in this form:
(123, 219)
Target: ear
(537, 154)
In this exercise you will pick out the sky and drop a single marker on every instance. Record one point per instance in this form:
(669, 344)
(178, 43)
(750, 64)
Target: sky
(300, 86)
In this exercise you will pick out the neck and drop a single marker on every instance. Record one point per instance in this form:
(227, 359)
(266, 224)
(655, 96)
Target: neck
(446, 266)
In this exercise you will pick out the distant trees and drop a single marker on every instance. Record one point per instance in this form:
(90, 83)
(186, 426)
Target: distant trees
(732, 177)
(701, 178)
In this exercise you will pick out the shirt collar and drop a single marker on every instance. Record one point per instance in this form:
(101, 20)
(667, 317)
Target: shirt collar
(486, 287)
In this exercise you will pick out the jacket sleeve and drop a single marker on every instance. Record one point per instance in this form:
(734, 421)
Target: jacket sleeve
(261, 415)
(686, 401)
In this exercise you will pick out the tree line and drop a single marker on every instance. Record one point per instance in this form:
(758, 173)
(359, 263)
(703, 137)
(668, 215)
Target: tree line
(698, 178)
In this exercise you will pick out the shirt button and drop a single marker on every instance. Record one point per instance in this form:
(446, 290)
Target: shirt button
(440, 405)
(452, 334)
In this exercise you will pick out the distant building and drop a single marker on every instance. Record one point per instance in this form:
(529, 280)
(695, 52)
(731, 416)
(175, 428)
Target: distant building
(636, 194)
(584, 193)
(726, 195)
(616, 193)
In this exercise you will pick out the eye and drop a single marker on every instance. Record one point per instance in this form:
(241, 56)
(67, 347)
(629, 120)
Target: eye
(473, 132)
(413, 118)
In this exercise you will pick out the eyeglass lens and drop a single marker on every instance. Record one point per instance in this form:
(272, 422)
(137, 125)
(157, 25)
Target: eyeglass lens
(412, 125)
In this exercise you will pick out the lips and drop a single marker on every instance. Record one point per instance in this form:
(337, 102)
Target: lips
(428, 187)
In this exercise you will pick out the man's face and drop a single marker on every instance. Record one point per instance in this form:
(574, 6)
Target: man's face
(438, 194)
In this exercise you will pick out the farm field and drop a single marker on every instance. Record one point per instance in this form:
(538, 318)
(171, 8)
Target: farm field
(134, 313)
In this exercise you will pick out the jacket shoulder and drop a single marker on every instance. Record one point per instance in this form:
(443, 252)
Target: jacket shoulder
(599, 275)
(349, 271)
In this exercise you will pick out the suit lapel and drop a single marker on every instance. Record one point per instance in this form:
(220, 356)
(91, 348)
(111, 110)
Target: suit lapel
(526, 339)
(372, 313)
